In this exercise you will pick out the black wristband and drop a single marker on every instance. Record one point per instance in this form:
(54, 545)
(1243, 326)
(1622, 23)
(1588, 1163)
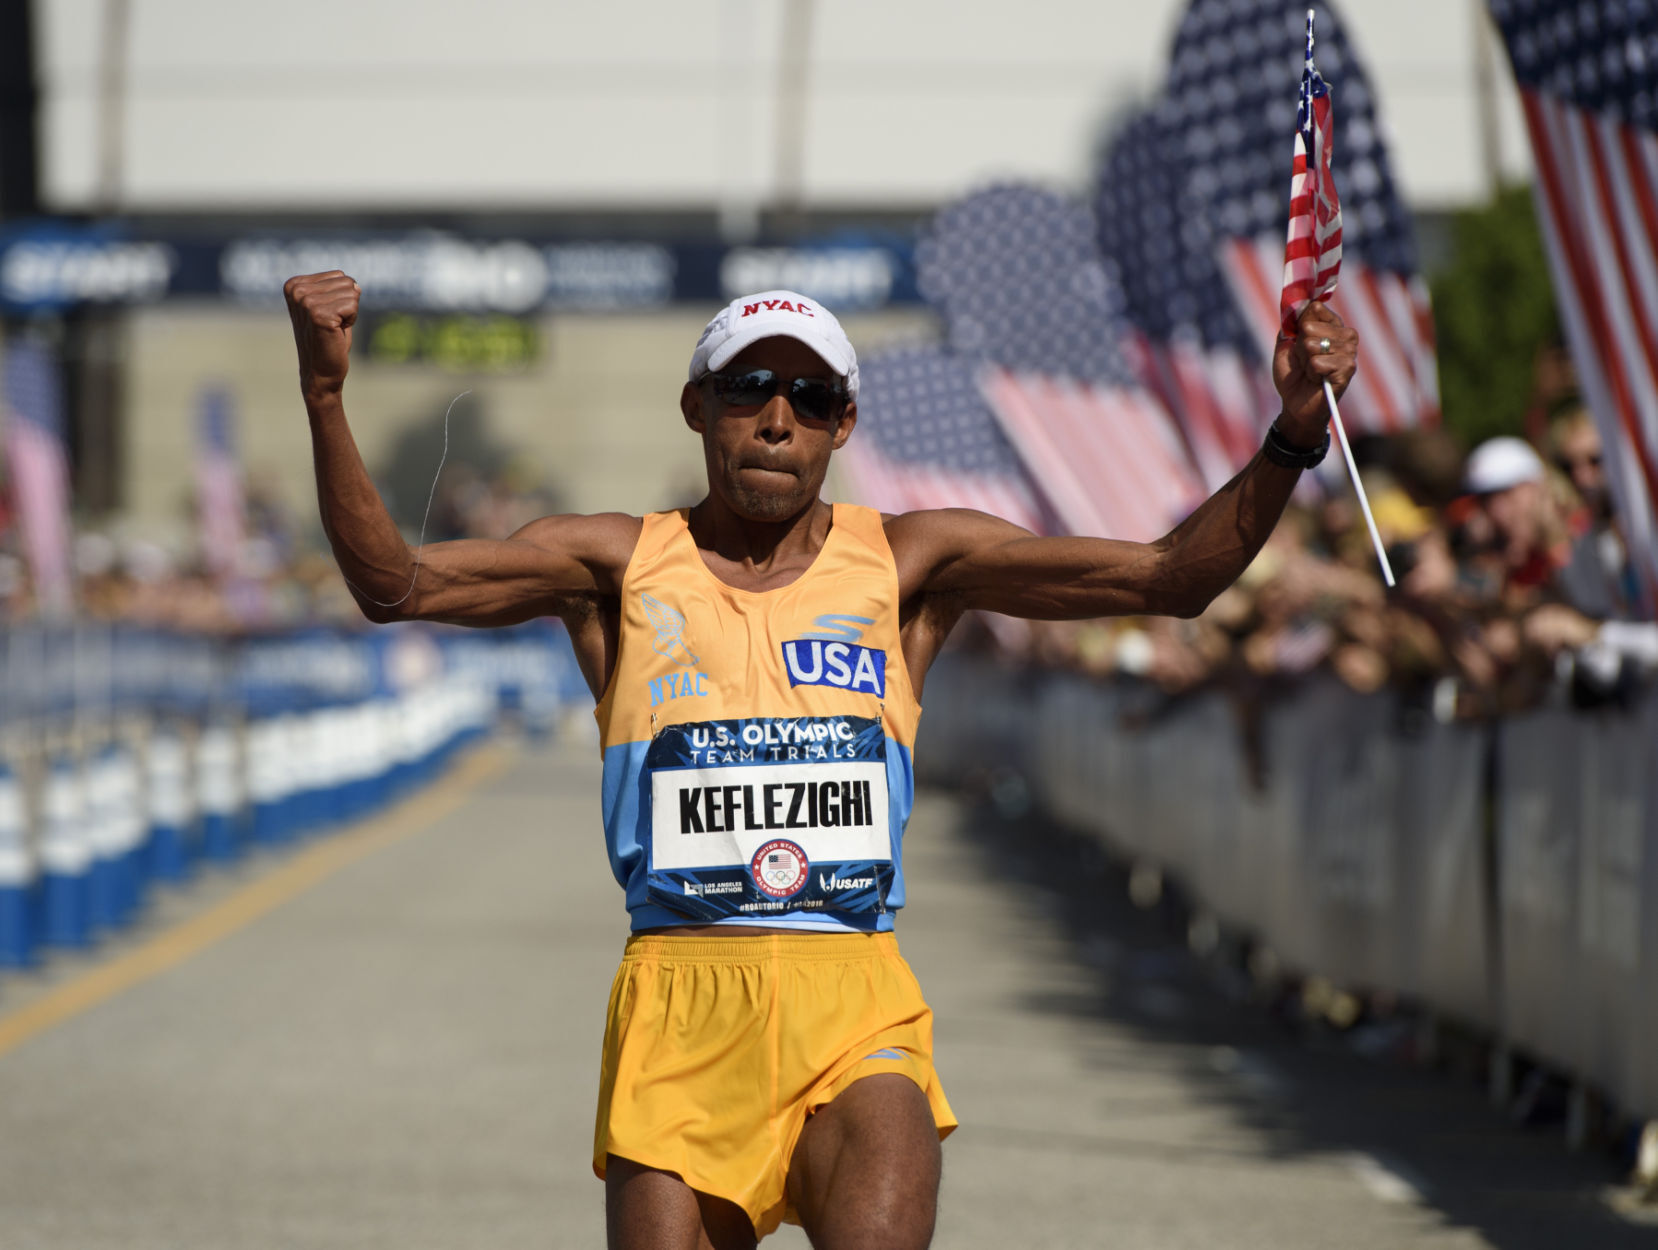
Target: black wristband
(1286, 454)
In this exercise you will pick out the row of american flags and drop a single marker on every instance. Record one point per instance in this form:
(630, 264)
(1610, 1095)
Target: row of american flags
(37, 477)
(1105, 365)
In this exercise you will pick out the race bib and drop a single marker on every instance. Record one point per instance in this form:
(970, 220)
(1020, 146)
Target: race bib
(769, 815)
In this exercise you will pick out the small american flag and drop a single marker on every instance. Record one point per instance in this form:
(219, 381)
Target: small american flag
(39, 470)
(1312, 253)
(1227, 116)
(1590, 94)
(925, 439)
(1018, 276)
(220, 512)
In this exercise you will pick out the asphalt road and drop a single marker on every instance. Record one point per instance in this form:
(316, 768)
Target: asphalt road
(390, 1040)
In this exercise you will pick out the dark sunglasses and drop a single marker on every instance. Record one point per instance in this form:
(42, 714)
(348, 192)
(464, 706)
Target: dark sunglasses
(1567, 463)
(812, 398)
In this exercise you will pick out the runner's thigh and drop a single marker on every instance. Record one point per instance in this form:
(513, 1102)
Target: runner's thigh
(865, 1173)
(647, 1209)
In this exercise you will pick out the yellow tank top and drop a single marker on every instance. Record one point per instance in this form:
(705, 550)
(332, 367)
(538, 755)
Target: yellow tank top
(757, 744)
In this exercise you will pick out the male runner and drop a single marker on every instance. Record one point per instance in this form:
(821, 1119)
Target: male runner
(758, 662)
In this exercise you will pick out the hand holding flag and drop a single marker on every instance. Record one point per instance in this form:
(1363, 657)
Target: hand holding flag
(1319, 351)
(1312, 263)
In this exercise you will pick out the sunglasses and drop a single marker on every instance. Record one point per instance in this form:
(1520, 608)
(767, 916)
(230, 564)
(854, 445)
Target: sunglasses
(812, 398)
(1567, 463)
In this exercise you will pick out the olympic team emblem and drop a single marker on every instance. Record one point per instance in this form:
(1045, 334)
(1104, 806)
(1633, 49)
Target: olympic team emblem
(780, 868)
(670, 631)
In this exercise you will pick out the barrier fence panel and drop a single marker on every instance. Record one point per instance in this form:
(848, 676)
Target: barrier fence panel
(1350, 833)
(1643, 1036)
(1442, 932)
(130, 756)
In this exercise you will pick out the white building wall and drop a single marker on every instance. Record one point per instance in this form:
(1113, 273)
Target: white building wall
(319, 104)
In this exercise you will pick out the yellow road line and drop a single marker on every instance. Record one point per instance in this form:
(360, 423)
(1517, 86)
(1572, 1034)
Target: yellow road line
(288, 881)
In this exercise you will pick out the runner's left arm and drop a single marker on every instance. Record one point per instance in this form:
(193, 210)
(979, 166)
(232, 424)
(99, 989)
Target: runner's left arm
(985, 562)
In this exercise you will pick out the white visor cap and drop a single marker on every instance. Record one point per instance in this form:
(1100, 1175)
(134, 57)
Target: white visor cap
(1500, 464)
(773, 314)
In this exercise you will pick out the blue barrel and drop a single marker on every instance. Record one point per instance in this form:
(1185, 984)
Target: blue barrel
(66, 857)
(219, 792)
(172, 806)
(17, 878)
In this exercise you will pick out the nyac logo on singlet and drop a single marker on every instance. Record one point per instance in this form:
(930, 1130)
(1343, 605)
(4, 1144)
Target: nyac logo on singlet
(831, 656)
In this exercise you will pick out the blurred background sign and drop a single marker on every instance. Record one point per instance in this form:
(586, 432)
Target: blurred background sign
(457, 341)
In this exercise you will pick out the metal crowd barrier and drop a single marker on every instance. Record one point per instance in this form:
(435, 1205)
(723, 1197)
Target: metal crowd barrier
(1504, 876)
(133, 757)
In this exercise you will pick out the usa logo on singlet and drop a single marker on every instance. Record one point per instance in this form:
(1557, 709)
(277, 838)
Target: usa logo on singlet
(844, 665)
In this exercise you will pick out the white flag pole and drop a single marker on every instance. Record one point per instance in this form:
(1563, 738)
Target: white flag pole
(1358, 486)
(1313, 158)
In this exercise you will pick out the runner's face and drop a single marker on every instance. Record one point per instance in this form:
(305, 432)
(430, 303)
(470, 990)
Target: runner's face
(766, 463)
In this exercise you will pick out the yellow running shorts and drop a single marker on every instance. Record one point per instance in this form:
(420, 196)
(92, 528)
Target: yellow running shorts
(716, 1051)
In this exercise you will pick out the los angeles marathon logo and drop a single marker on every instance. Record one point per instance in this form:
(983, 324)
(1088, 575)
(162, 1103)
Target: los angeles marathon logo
(780, 868)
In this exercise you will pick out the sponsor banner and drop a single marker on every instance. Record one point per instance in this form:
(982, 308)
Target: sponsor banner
(54, 265)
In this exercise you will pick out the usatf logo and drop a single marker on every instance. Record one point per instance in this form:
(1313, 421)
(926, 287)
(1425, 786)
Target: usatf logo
(670, 631)
(829, 882)
(780, 868)
(813, 662)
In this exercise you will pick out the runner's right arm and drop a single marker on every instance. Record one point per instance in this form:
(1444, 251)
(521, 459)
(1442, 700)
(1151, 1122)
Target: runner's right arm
(469, 582)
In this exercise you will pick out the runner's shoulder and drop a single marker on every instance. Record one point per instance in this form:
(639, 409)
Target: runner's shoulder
(601, 541)
(930, 537)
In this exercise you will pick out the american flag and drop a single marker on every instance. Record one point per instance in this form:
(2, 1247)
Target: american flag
(1228, 114)
(219, 507)
(925, 439)
(1312, 253)
(1189, 343)
(39, 471)
(1017, 274)
(1588, 75)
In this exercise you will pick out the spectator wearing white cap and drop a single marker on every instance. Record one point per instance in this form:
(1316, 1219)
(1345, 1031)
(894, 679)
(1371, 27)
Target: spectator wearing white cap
(1508, 480)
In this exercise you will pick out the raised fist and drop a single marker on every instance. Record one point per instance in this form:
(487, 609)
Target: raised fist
(323, 308)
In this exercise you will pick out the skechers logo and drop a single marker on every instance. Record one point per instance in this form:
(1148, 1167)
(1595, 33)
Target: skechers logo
(812, 662)
(839, 627)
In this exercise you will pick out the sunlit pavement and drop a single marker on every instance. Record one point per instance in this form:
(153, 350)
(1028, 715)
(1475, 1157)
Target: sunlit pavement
(404, 1054)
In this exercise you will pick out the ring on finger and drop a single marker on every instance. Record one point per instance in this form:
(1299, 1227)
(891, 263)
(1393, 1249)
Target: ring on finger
(1323, 346)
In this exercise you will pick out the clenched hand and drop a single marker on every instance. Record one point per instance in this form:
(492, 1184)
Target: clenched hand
(323, 308)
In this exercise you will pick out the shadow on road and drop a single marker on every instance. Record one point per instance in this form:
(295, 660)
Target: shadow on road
(1410, 1133)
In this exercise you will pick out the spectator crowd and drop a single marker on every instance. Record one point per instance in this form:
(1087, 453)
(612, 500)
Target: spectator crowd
(283, 576)
(1513, 581)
